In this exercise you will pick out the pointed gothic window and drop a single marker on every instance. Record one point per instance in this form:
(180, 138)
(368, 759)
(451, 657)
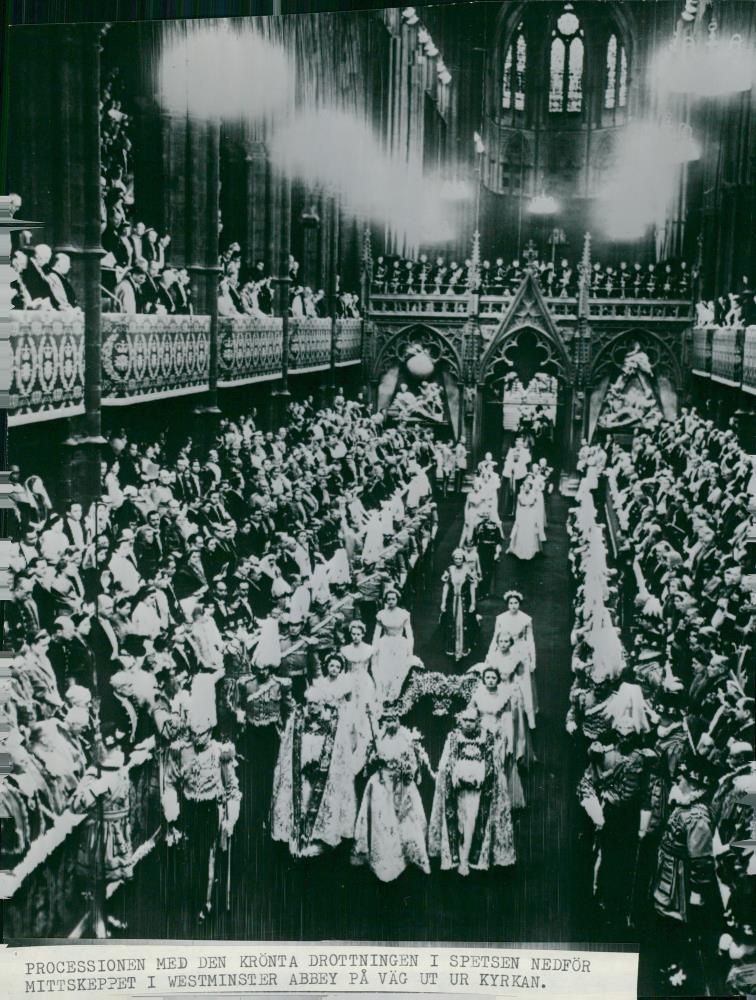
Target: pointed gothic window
(566, 63)
(615, 90)
(513, 77)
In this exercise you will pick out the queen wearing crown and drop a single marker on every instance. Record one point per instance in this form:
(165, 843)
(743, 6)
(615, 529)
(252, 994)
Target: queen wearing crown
(391, 826)
(514, 622)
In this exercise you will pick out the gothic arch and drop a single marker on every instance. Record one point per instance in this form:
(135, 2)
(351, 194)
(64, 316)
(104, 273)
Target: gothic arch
(527, 327)
(661, 353)
(440, 348)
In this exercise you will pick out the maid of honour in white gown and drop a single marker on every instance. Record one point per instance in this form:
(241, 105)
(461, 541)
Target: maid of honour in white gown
(393, 644)
(527, 534)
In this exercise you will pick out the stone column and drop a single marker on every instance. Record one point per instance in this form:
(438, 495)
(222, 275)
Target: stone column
(201, 225)
(75, 230)
(280, 396)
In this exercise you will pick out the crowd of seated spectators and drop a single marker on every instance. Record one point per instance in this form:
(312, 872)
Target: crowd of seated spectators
(669, 279)
(669, 721)
(41, 280)
(735, 309)
(160, 592)
(248, 291)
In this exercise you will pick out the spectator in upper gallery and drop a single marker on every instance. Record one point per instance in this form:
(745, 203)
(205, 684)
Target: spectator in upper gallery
(138, 239)
(165, 295)
(149, 290)
(128, 290)
(151, 249)
(297, 307)
(183, 292)
(35, 275)
(63, 295)
(21, 297)
(163, 243)
(226, 304)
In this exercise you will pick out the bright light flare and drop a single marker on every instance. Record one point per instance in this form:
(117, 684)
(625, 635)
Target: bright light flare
(641, 186)
(222, 70)
(705, 68)
(336, 152)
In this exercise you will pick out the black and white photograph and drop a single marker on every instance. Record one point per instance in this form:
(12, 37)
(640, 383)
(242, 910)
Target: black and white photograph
(379, 514)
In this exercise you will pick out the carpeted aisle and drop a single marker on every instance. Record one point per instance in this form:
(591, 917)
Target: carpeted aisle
(539, 900)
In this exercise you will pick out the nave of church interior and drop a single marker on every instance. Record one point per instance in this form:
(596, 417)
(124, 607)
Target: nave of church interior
(381, 509)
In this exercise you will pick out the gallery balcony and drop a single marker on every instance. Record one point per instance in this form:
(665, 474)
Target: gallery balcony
(726, 355)
(415, 306)
(152, 357)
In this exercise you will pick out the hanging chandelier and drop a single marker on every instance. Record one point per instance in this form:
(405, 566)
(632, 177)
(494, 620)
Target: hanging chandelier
(704, 67)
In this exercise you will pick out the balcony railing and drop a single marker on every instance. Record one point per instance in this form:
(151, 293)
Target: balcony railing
(249, 350)
(419, 306)
(702, 352)
(48, 366)
(495, 306)
(726, 355)
(147, 357)
(151, 357)
(667, 310)
(348, 342)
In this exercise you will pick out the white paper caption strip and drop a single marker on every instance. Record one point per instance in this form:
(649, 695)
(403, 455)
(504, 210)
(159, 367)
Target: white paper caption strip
(128, 970)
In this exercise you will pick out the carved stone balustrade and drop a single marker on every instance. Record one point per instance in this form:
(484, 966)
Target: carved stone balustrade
(249, 350)
(749, 360)
(148, 357)
(47, 380)
(420, 306)
(662, 310)
(310, 344)
(702, 352)
(726, 355)
(495, 306)
(348, 342)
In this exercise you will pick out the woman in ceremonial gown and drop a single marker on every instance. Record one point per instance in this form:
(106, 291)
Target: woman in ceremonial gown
(314, 800)
(458, 607)
(471, 817)
(393, 642)
(358, 659)
(336, 687)
(519, 627)
(391, 826)
(499, 703)
(525, 540)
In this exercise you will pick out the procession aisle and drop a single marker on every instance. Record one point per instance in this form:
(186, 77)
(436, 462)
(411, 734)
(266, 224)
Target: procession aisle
(274, 897)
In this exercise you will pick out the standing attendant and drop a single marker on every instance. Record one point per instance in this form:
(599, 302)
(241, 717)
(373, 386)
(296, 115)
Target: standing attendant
(458, 607)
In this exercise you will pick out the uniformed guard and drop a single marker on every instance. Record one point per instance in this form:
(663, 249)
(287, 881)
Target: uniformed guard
(488, 537)
(201, 800)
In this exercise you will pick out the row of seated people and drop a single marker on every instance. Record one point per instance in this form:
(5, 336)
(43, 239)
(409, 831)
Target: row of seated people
(735, 309)
(667, 716)
(153, 603)
(663, 280)
(250, 291)
(41, 280)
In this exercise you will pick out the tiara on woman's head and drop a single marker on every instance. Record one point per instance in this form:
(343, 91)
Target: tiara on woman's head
(513, 593)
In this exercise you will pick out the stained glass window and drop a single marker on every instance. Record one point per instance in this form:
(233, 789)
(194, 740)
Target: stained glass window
(506, 90)
(575, 80)
(556, 90)
(615, 91)
(521, 63)
(622, 89)
(611, 73)
(513, 80)
(566, 63)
